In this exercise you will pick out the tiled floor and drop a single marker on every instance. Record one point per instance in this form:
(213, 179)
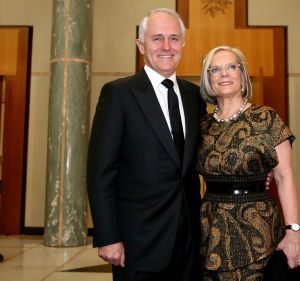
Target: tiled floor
(27, 259)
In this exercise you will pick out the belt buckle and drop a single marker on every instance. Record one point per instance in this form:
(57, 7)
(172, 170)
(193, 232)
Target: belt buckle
(240, 191)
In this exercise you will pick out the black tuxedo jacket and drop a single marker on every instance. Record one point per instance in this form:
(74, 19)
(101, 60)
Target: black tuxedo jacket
(136, 183)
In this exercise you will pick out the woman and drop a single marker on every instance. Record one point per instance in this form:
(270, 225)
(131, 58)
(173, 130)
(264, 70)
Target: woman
(242, 143)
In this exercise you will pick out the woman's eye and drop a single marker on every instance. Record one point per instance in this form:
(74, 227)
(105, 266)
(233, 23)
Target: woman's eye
(232, 66)
(215, 69)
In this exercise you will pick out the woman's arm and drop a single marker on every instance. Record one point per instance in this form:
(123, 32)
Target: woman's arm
(284, 178)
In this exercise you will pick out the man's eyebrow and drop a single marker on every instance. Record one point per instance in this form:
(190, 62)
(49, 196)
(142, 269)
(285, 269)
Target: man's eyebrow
(166, 35)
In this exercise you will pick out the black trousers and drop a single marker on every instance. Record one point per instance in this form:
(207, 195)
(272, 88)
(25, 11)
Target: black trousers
(183, 266)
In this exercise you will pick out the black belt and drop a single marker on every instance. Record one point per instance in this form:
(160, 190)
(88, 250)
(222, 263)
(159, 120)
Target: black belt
(235, 188)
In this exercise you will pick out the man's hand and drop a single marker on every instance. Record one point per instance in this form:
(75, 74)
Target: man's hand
(269, 179)
(113, 254)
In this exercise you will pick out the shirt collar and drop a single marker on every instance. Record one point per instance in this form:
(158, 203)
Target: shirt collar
(156, 78)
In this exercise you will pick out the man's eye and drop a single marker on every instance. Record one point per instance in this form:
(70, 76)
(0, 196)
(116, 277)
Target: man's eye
(156, 39)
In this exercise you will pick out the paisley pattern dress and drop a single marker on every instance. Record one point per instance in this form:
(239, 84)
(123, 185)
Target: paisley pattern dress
(240, 230)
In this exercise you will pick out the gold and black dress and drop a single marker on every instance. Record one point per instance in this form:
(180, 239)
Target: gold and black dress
(239, 230)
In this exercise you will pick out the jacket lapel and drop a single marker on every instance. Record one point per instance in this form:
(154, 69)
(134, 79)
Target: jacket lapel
(147, 100)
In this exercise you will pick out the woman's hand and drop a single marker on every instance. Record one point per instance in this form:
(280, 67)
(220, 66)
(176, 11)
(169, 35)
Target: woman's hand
(290, 245)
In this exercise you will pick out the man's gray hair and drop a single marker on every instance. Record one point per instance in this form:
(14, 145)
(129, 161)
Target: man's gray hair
(144, 22)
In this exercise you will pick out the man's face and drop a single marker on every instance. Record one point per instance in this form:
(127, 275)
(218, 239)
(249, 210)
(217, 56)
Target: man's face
(163, 43)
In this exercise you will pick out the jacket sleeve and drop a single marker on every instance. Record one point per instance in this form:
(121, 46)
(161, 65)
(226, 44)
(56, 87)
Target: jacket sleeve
(102, 167)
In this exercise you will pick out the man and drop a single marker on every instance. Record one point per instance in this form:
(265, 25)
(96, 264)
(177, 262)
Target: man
(143, 189)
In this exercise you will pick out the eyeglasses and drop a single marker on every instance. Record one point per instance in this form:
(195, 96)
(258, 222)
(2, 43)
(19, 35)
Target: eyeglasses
(218, 69)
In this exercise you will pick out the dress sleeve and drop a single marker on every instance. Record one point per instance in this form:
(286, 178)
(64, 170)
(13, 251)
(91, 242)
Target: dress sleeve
(278, 130)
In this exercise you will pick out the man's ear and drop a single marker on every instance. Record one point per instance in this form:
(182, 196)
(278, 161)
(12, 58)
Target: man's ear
(140, 46)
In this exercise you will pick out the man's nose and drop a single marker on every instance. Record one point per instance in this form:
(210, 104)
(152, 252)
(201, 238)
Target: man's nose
(166, 44)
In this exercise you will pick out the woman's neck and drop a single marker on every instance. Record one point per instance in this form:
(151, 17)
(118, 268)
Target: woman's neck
(229, 109)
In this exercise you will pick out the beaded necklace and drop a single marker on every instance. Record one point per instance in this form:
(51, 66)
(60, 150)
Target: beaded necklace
(233, 117)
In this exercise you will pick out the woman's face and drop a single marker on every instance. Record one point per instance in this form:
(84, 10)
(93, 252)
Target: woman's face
(225, 74)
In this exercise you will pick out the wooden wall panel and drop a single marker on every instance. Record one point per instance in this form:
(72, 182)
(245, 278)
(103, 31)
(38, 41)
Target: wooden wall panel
(182, 6)
(8, 51)
(15, 137)
(198, 46)
(205, 16)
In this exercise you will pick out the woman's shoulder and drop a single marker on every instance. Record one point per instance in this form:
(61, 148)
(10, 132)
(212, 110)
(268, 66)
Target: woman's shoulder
(262, 108)
(262, 112)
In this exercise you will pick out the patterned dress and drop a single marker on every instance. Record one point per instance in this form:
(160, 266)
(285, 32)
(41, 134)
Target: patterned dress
(240, 230)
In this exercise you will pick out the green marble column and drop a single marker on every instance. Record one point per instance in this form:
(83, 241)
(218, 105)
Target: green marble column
(66, 202)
